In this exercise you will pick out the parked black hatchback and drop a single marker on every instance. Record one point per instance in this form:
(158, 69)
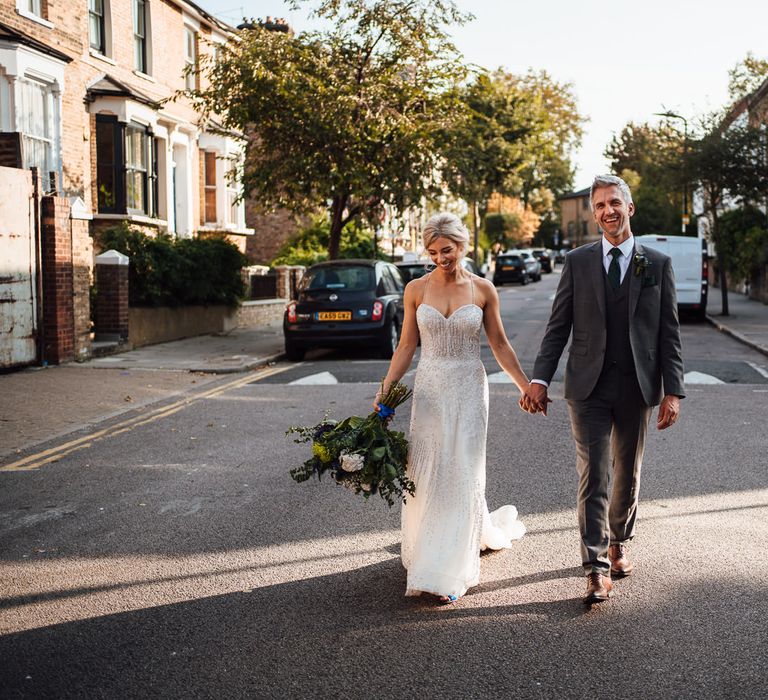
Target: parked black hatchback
(346, 302)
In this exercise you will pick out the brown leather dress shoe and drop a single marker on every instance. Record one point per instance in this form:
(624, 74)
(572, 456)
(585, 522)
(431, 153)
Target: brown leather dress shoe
(599, 588)
(620, 564)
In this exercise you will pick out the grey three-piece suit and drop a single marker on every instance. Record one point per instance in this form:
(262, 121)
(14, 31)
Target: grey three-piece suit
(625, 354)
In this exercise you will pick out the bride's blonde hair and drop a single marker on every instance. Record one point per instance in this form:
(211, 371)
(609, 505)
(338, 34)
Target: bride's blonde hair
(446, 225)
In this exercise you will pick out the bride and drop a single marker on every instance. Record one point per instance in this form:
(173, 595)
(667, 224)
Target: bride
(447, 523)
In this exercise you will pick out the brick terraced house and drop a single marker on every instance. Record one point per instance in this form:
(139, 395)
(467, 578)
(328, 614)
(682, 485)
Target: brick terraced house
(84, 98)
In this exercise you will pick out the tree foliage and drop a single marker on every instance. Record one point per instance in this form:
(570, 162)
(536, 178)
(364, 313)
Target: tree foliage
(746, 76)
(650, 159)
(729, 166)
(346, 117)
(517, 138)
(310, 245)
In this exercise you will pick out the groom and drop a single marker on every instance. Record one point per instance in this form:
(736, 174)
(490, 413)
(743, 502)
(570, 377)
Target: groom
(617, 301)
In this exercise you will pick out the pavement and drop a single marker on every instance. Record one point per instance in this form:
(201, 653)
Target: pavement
(40, 404)
(747, 320)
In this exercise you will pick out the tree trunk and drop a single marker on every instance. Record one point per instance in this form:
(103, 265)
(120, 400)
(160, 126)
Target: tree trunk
(721, 263)
(338, 205)
(723, 288)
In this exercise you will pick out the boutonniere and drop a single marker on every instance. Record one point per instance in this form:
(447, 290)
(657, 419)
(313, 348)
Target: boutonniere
(641, 264)
(643, 268)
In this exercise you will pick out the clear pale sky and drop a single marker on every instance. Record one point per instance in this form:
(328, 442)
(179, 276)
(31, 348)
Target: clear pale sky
(625, 59)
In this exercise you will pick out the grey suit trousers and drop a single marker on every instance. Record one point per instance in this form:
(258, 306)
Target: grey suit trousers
(609, 428)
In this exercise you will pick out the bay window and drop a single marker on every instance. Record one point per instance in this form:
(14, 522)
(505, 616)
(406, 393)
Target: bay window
(36, 124)
(126, 168)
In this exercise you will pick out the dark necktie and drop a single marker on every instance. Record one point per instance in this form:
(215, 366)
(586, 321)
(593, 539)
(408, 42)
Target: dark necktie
(614, 271)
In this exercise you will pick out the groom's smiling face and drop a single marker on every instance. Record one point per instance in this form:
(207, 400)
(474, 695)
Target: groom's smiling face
(612, 213)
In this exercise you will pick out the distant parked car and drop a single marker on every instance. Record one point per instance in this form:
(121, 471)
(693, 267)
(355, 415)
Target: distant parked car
(412, 270)
(516, 266)
(544, 257)
(560, 255)
(346, 302)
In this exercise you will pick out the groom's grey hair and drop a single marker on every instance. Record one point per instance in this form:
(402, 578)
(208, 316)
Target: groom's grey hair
(446, 225)
(608, 181)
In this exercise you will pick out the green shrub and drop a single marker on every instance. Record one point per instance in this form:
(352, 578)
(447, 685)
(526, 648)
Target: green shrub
(310, 245)
(165, 271)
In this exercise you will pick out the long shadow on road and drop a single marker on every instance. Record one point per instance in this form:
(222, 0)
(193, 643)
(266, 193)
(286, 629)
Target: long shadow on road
(352, 635)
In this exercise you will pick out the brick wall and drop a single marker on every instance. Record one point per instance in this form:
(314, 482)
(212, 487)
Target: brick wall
(271, 230)
(111, 314)
(58, 281)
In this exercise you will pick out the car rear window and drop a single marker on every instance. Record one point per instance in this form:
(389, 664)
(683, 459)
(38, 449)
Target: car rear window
(348, 277)
(508, 259)
(413, 272)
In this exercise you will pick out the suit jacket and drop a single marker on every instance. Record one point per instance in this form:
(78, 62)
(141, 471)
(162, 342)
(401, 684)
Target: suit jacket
(579, 306)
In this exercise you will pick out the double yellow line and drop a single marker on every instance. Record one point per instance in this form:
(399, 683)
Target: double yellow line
(54, 454)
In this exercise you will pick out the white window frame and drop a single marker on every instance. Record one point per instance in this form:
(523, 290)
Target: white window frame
(33, 9)
(29, 117)
(190, 56)
(106, 6)
(20, 64)
(147, 68)
(230, 212)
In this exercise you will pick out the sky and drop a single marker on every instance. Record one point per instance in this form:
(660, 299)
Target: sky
(625, 60)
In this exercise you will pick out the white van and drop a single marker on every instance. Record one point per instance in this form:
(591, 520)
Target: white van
(691, 268)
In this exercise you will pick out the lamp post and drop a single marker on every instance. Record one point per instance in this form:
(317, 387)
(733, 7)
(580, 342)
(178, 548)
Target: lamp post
(669, 114)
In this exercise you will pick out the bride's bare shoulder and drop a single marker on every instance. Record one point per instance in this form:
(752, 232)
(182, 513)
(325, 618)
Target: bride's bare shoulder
(486, 288)
(415, 289)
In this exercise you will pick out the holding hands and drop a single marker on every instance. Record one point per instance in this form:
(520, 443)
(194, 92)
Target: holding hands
(535, 399)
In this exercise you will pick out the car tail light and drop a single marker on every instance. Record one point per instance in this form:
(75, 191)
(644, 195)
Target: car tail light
(378, 311)
(704, 269)
(292, 313)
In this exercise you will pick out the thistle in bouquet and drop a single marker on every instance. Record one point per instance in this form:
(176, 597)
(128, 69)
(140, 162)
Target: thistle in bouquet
(363, 454)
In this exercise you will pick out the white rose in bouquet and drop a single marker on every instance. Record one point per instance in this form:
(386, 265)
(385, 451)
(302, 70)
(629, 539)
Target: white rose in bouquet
(352, 462)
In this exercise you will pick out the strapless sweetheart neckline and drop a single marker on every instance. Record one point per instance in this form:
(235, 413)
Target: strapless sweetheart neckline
(448, 318)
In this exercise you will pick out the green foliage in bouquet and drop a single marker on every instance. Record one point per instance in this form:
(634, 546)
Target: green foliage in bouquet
(362, 454)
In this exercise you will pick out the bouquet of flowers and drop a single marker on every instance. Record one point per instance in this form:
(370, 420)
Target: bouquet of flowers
(362, 454)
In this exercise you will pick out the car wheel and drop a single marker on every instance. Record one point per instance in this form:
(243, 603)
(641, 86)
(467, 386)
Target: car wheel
(294, 352)
(524, 279)
(391, 339)
(498, 283)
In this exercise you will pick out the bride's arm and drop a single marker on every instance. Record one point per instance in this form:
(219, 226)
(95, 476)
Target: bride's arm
(409, 340)
(497, 338)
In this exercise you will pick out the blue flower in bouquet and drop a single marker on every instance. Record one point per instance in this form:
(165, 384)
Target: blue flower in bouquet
(362, 454)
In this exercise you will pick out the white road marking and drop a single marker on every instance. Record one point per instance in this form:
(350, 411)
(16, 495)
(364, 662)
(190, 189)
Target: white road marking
(319, 378)
(499, 378)
(701, 378)
(760, 370)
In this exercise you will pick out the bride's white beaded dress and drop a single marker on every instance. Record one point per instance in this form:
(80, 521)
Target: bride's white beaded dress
(447, 523)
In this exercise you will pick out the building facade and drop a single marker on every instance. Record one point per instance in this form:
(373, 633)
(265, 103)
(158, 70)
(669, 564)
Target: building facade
(92, 88)
(578, 224)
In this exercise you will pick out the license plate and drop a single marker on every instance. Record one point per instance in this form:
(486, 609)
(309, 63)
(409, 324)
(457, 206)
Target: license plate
(507, 267)
(334, 315)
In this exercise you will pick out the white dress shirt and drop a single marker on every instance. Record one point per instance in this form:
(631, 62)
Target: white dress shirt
(626, 249)
(625, 258)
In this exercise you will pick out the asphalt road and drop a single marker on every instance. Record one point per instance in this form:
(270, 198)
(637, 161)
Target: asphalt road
(175, 557)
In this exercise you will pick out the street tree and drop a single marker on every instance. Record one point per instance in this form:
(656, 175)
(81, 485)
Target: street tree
(515, 139)
(728, 163)
(651, 156)
(346, 117)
